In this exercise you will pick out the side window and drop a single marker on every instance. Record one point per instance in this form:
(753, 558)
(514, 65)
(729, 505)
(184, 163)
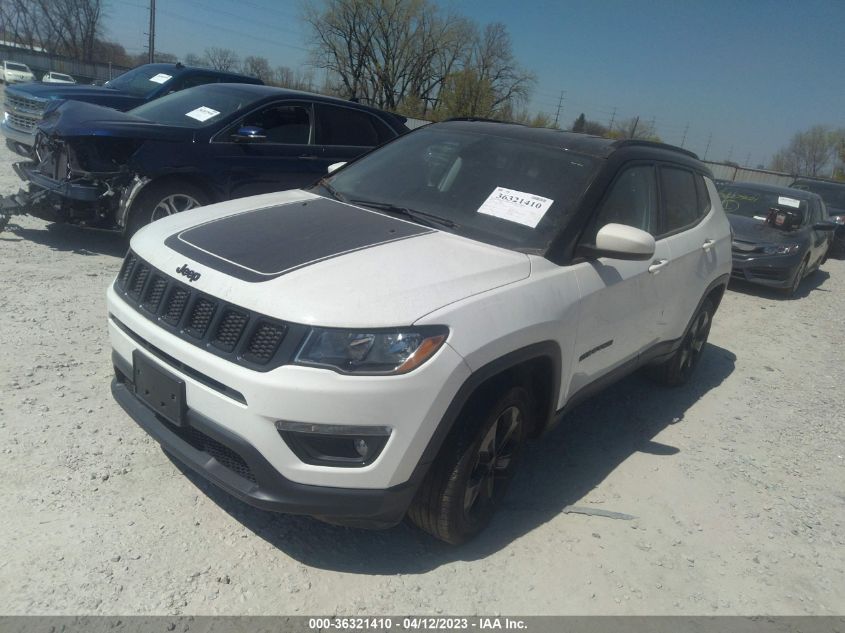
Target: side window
(632, 200)
(288, 124)
(680, 200)
(703, 196)
(347, 126)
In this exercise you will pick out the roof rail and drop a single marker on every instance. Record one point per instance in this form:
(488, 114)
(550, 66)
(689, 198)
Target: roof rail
(626, 142)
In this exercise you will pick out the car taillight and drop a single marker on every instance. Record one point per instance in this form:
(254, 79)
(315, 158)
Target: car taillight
(839, 219)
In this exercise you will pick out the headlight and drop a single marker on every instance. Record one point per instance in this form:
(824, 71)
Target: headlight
(371, 351)
(781, 249)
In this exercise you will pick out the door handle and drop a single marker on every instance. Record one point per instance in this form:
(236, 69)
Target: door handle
(657, 265)
(708, 244)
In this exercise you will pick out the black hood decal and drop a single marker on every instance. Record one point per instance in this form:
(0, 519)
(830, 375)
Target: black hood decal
(262, 244)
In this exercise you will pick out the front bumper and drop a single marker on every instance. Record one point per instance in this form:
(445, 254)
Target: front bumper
(774, 271)
(82, 192)
(18, 136)
(231, 463)
(247, 403)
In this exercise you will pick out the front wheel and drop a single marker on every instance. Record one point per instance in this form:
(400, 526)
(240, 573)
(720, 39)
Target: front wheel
(471, 474)
(796, 281)
(159, 200)
(677, 370)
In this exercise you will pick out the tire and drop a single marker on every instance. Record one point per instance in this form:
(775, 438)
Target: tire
(464, 486)
(796, 282)
(160, 199)
(677, 370)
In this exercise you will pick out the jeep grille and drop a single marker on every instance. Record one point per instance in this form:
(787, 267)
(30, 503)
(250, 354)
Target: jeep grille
(240, 335)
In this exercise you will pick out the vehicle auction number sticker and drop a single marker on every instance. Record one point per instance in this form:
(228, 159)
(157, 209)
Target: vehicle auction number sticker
(202, 113)
(789, 202)
(516, 206)
(160, 78)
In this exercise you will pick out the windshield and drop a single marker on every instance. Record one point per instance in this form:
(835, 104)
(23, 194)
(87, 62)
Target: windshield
(499, 190)
(61, 76)
(756, 203)
(832, 194)
(196, 107)
(142, 81)
(18, 67)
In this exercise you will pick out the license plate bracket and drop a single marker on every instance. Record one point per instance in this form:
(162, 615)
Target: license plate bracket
(160, 390)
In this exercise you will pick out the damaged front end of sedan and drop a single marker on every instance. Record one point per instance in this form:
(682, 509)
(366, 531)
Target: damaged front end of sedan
(82, 172)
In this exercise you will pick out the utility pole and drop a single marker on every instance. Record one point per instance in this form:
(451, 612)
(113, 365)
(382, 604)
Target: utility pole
(152, 45)
(684, 139)
(652, 127)
(634, 130)
(730, 152)
(748, 159)
(559, 105)
(612, 119)
(707, 149)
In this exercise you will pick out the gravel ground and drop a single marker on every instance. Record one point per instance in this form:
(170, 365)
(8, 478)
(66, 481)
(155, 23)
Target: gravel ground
(736, 482)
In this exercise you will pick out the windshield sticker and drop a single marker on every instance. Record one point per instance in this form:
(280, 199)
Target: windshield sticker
(788, 202)
(516, 206)
(761, 217)
(160, 78)
(202, 113)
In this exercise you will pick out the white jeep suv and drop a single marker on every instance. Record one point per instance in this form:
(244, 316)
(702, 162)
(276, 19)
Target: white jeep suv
(384, 343)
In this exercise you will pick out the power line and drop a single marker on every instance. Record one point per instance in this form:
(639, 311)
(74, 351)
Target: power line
(250, 36)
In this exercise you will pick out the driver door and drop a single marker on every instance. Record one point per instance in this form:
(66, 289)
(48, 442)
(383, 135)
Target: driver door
(619, 298)
(286, 159)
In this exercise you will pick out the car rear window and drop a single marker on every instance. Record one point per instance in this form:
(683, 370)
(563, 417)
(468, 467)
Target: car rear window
(18, 67)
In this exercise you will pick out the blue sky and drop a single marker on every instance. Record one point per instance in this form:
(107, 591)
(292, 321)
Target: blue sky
(749, 73)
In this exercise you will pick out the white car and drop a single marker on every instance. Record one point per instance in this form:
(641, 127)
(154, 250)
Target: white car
(53, 77)
(384, 343)
(15, 73)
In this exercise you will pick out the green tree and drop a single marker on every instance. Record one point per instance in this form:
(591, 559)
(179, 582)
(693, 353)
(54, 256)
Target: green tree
(580, 123)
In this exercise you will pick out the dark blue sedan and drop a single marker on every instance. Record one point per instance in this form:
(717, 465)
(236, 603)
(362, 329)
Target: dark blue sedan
(101, 167)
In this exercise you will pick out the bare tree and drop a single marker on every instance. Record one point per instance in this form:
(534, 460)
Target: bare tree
(192, 59)
(222, 58)
(634, 127)
(809, 153)
(390, 53)
(66, 27)
(295, 80)
(259, 67)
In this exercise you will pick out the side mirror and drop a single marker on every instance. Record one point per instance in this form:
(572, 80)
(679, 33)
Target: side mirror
(334, 167)
(250, 134)
(825, 226)
(618, 241)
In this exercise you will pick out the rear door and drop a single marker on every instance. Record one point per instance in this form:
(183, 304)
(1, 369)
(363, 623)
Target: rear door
(286, 159)
(619, 298)
(692, 230)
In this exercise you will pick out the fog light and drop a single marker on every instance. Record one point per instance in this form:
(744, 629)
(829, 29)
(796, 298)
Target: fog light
(334, 444)
(361, 447)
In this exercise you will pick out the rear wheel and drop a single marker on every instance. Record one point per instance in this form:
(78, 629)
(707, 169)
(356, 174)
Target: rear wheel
(677, 370)
(471, 474)
(159, 200)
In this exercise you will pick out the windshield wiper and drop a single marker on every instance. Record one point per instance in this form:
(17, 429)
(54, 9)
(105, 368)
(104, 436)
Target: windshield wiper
(334, 193)
(420, 217)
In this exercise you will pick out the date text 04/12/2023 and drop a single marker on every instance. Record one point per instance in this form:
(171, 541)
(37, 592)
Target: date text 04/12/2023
(417, 623)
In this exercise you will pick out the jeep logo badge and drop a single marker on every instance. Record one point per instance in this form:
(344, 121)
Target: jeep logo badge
(192, 275)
